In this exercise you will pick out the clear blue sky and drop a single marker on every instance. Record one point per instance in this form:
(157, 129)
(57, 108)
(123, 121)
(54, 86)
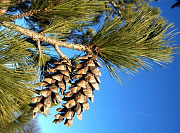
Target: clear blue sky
(148, 103)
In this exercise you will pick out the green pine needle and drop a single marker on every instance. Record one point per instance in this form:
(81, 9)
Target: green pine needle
(128, 46)
(17, 73)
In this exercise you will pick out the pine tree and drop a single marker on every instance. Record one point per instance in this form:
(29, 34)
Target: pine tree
(130, 34)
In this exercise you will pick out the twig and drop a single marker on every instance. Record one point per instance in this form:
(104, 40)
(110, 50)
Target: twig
(25, 14)
(30, 13)
(60, 53)
(39, 48)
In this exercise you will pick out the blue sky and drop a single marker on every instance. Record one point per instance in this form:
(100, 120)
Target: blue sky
(148, 103)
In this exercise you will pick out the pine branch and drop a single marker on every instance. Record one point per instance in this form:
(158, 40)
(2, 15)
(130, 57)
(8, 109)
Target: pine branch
(38, 36)
(128, 46)
(26, 14)
(31, 13)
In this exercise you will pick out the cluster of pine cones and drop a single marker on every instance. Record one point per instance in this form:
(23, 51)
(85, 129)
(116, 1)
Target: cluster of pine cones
(75, 82)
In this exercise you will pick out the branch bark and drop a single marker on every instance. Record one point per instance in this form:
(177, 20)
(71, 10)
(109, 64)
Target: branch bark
(37, 36)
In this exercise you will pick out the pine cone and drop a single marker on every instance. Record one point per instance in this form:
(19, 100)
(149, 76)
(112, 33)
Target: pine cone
(55, 78)
(85, 81)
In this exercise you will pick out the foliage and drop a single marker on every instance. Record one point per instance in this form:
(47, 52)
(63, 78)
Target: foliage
(128, 45)
(17, 74)
(59, 18)
(22, 122)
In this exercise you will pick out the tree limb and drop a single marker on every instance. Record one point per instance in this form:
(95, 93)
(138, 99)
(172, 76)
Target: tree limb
(38, 36)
